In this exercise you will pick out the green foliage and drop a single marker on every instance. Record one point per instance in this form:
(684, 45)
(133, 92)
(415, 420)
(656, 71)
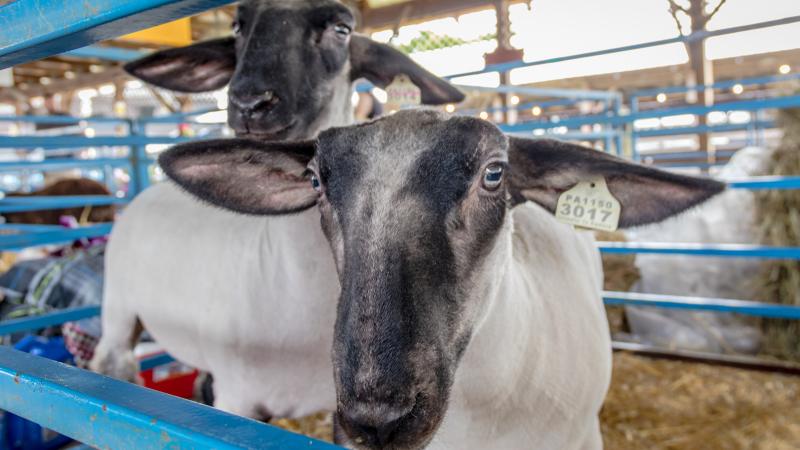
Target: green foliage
(428, 40)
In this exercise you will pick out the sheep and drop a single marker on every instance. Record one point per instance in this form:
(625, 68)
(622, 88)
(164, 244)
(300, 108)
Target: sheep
(173, 264)
(69, 186)
(468, 316)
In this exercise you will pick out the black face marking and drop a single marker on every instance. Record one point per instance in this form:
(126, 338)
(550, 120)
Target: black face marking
(401, 200)
(289, 66)
(299, 38)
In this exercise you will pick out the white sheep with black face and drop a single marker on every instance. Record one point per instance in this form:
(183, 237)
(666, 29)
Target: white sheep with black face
(247, 298)
(468, 316)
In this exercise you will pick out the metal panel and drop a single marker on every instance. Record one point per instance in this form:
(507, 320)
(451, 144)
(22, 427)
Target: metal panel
(34, 29)
(106, 413)
(722, 250)
(35, 323)
(746, 307)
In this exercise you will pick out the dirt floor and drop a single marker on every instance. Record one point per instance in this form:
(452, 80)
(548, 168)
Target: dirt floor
(657, 404)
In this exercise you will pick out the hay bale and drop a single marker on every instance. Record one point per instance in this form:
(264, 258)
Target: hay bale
(778, 218)
(659, 404)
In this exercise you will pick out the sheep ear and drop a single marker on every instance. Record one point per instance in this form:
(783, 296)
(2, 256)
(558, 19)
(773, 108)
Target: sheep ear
(542, 169)
(380, 63)
(244, 176)
(201, 67)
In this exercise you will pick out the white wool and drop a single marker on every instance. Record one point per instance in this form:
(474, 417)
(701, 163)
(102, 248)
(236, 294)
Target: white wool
(255, 304)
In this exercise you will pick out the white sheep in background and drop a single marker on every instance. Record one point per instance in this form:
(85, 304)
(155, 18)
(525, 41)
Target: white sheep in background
(729, 219)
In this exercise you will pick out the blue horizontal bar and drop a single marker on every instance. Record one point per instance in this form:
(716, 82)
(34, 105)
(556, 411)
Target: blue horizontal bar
(27, 227)
(725, 84)
(35, 323)
(696, 164)
(80, 141)
(685, 155)
(721, 250)
(34, 29)
(790, 101)
(589, 136)
(155, 360)
(68, 120)
(17, 241)
(575, 94)
(674, 131)
(520, 107)
(746, 307)
(766, 182)
(570, 122)
(504, 67)
(107, 413)
(178, 117)
(39, 203)
(744, 105)
(105, 53)
(62, 164)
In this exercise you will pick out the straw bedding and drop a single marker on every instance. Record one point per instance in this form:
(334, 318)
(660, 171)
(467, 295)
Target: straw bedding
(657, 404)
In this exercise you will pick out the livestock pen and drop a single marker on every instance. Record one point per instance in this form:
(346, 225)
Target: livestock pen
(101, 412)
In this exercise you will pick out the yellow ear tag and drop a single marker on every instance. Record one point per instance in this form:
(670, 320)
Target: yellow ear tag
(402, 93)
(589, 204)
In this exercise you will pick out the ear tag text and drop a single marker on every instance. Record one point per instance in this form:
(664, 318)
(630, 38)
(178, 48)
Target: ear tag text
(589, 204)
(402, 93)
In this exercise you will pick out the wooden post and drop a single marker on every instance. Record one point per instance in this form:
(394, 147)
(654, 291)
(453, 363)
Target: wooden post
(505, 52)
(703, 70)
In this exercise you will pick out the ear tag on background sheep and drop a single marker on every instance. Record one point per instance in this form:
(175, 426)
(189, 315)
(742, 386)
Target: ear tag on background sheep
(402, 93)
(589, 204)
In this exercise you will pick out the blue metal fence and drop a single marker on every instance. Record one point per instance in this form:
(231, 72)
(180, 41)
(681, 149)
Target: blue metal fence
(107, 413)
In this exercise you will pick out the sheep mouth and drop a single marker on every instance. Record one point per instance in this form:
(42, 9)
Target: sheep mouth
(269, 134)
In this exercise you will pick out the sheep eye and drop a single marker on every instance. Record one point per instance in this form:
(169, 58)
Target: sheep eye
(315, 184)
(342, 29)
(237, 28)
(492, 176)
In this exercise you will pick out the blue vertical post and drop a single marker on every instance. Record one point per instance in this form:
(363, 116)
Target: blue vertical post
(607, 127)
(619, 129)
(140, 163)
(760, 139)
(634, 110)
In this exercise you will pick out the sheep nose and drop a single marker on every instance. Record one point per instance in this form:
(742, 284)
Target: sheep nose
(251, 102)
(376, 429)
